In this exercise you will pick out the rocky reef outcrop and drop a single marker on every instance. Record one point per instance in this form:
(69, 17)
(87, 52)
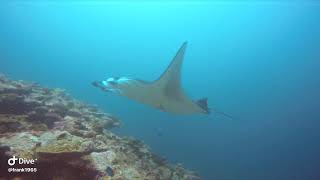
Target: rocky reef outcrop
(68, 139)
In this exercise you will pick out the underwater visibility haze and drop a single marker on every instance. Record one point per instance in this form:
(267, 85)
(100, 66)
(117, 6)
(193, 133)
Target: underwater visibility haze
(258, 62)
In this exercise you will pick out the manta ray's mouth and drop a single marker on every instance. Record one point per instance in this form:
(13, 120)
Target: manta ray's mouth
(99, 85)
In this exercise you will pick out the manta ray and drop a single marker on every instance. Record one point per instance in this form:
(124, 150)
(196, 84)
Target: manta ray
(164, 93)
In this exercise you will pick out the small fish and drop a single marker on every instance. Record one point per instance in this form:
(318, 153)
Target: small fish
(159, 132)
(110, 171)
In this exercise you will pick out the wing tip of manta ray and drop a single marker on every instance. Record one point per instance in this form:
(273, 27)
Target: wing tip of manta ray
(184, 45)
(203, 104)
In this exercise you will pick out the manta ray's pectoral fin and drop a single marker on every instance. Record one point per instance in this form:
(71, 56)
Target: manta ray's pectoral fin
(170, 80)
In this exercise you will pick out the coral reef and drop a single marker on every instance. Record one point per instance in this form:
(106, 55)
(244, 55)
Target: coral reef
(70, 140)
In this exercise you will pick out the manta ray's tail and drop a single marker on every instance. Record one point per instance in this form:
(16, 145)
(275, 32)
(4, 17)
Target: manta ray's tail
(203, 103)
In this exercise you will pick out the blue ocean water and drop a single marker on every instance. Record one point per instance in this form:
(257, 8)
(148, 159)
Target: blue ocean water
(258, 61)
